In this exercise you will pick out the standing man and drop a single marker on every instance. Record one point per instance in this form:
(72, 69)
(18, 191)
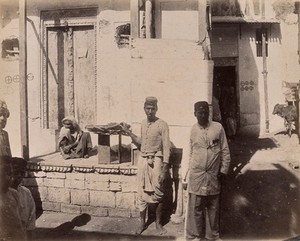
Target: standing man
(153, 164)
(26, 205)
(4, 140)
(204, 166)
(11, 227)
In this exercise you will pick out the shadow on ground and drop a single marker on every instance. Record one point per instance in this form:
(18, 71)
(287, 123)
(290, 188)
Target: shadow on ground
(93, 236)
(88, 228)
(263, 202)
(258, 203)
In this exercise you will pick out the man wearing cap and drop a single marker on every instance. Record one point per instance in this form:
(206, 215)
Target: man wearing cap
(205, 163)
(153, 164)
(4, 140)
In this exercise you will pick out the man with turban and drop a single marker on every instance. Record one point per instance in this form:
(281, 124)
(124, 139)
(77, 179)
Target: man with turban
(153, 164)
(204, 165)
(4, 140)
(72, 141)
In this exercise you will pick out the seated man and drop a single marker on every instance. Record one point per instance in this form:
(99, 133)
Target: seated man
(72, 141)
(27, 204)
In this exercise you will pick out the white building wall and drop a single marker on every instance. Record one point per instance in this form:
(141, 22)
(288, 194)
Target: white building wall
(9, 85)
(123, 78)
(282, 66)
(118, 73)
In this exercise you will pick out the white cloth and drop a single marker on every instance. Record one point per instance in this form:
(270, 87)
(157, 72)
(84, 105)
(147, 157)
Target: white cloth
(206, 155)
(27, 208)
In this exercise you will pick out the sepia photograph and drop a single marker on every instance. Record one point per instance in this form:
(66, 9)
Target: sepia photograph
(171, 120)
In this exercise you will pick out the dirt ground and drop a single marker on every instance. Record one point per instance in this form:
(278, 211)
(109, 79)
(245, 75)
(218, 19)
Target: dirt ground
(260, 200)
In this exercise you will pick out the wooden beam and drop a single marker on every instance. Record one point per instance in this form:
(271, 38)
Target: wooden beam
(149, 19)
(265, 75)
(202, 20)
(157, 19)
(262, 9)
(298, 111)
(297, 4)
(204, 27)
(134, 18)
(298, 11)
(23, 80)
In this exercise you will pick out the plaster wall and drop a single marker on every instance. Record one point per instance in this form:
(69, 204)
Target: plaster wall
(41, 140)
(180, 25)
(233, 40)
(281, 66)
(123, 79)
(172, 70)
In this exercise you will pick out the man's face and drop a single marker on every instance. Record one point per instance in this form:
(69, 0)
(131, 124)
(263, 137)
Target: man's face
(150, 111)
(3, 119)
(68, 124)
(17, 176)
(202, 115)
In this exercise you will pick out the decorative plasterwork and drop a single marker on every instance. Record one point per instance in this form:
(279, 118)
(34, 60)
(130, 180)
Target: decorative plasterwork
(70, 68)
(103, 169)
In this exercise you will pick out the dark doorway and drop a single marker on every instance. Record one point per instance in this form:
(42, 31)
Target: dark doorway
(224, 89)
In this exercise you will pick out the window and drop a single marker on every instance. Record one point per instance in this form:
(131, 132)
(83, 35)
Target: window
(122, 35)
(10, 49)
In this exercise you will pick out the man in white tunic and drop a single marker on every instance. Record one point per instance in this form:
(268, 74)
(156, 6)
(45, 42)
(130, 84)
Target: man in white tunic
(26, 205)
(153, 164)
(205, 163)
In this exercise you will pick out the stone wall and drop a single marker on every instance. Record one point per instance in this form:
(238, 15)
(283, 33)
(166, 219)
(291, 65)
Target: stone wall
(98, 192)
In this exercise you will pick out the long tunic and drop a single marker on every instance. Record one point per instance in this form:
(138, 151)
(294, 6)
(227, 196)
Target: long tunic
(155, 139)
(27, 208)
(11, 227)
(155, 149)
(206, 155)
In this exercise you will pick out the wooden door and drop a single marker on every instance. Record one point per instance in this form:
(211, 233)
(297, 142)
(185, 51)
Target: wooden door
(55, 77)
(71, 75)
(84, 75)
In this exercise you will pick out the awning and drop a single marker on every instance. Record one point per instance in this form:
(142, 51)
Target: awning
(235, 19)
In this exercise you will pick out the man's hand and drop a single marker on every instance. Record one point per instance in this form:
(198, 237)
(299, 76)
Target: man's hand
(66, 149)
(162, 178)
(125, 128)
(164, 174)
(222, 177)
(80, 133)
(127, 131)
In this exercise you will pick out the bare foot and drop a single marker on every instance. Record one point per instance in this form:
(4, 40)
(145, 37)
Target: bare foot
(149, 221)
(141, 229)
(161, 230)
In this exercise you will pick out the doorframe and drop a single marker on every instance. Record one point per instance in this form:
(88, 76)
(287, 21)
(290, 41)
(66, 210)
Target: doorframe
(62, 18)
(227, 62)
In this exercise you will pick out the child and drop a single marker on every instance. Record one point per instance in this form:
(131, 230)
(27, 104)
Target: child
(27, 204)
(11, 227)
